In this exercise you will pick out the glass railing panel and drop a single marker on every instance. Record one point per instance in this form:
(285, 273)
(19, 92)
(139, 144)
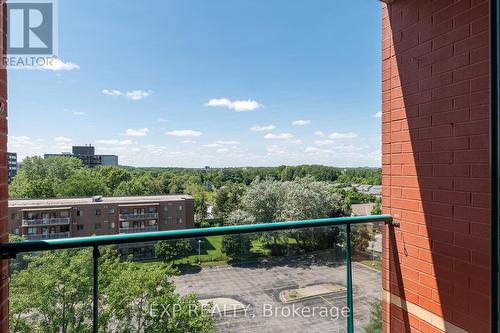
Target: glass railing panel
(290, 280)
(283, 281)
(51, 291)
(367, 276)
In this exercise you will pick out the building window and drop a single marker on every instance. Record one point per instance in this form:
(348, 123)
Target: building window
(79, 212)
(165, 208)
(112, 225)
(125, 211)
(125, 224)
(12, 216)
(111, 211)
(179, 220)
(16, 231)
(64, 214)
(180, 208)
(79, 227)
(97, 226)
(164, 222)
(98, 211)
(32, 231)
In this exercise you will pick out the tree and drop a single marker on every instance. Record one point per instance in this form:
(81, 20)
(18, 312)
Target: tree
(200, 201)
(169, 251)
(377, 207)
(37, 177)
(228, 199)
(19, 262)
(240, 217)
(236, 246)
(54, 294)
(84, 183)
(113, 176)
(375, 324)
(360, 238)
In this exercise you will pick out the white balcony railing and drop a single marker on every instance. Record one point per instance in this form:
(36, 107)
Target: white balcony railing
(138, 229)
(50, 221)
(142, 216)
(57, 235)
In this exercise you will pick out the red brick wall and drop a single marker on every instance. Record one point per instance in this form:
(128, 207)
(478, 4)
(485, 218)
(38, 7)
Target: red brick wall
(4, 310)
(435, 163)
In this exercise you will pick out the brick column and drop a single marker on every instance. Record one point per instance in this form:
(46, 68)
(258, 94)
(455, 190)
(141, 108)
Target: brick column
(435, 165)
(4, 237)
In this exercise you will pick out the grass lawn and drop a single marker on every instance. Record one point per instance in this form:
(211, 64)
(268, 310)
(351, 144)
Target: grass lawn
(211, 252)
(377, 264)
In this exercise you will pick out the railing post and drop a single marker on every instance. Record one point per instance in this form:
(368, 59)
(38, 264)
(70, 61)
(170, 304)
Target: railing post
(95, 296)
(350, 318)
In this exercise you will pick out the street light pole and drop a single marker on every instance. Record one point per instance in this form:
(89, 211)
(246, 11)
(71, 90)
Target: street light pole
(199, 251)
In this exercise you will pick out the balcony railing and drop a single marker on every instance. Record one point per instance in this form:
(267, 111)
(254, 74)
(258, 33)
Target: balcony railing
(333, 289)
(50, 221)
(55, 235)
(143, 216)
(138, 229)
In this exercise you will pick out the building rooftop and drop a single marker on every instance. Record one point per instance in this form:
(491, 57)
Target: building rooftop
(362, 209)
(89, 200)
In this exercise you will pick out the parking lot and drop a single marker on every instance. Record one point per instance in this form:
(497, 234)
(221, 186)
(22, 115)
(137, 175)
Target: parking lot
(257, 286)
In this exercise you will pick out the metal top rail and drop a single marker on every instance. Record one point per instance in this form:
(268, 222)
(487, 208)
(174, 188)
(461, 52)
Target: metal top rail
(12, 249)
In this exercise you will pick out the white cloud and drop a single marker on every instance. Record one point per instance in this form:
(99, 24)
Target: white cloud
(184, 133)
(136, 132)
(161, 120)
(78, 113)
(258, 128)
(59, 65)
(285, 137)
(239, 106)
(232, 143)
(188, 141)
(62, 140)
(323, 142)
(378, 114)
(222, 150)
(21, 140)
(281, 136)
(313, 150)
(301, 122)
(111, 92)
(340, 150)
(336, 135)
(276, 151)
(137, 95)
(212, 145)
(115, 142)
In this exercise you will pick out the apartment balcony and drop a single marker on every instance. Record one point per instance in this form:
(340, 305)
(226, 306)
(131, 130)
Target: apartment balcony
(143, 216)
(56, 235)
(138, 229)
(51, 221)
(326, 269)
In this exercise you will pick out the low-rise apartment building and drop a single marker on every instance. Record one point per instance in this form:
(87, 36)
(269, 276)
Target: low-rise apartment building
(42, 219)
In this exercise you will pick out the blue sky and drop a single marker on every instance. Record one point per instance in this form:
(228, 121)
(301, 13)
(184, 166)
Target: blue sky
(218, 83)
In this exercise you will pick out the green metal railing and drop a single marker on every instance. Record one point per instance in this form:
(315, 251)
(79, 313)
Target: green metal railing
(10, 250)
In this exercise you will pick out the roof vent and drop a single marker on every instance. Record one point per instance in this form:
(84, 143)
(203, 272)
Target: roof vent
(97, 198)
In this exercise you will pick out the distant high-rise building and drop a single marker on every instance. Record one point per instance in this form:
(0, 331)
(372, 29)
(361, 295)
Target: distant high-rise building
(12, 165)
(87, 155)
